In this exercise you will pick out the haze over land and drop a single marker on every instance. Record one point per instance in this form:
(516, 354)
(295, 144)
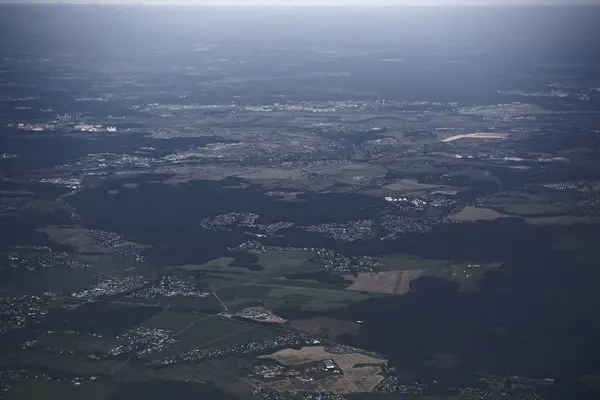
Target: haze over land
(299, 203)
(312, 3)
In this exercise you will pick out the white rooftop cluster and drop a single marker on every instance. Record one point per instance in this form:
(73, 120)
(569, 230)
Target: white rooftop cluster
(416, 202)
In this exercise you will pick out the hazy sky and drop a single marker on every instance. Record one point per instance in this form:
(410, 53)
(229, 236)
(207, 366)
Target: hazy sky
(324, 2)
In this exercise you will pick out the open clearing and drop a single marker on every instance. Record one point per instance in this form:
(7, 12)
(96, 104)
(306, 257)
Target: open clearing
(75, 237)
(409, 185)
(171, 320)
(405, 278)
(309, 299)
(525, 205)
(43, 389)
(65, 363)
(202, 332)
(284, 260)
(324, 326)
(470, 213)
(218, 264)
(360, 372)
(476, 135)
(381, 282)
(273, 262)
(61, 341)
(395, 262)
(64, 280)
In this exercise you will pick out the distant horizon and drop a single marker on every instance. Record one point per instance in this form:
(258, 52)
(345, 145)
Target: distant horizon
(312, 3)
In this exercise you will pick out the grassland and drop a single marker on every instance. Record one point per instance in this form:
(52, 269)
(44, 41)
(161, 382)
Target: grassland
(204, 331)
(287, 296)
(64, 363)
(527, 208)
(381, 282)
(409, 185)
(274, 263)
(87, 344)
(218, 264)
(252, 334)
(75, 237)
(400, 396)
(47, 390)
(171, 320)
(470, 213)
(203, 373)
(55, 280)
(324, 326)
(526, 203)
(208, 304)
(282, 262)
(301, 283)
(394, 262)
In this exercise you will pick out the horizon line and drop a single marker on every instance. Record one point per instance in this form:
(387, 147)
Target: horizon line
(316, 4)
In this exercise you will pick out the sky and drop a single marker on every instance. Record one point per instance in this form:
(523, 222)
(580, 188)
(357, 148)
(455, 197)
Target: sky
(366, 3)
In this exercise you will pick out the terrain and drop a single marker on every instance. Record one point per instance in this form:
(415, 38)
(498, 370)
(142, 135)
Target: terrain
(203, 203)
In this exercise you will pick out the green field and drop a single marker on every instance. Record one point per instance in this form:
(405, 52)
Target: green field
(393, 262)
(160, 389)
(167, 382)
(41, 389)
(171, 320)
(525, 204)
(280, 296)
(283, 262)
(239, 295)
(218, 264)
(202, 371)
(205, 331)
(65, 280)
(273, 262)
(529, 209)
(60, 341)
(254, 334)
(399, 396)
(302, 284)
(318, 299)
(208, 304)
(65, 363)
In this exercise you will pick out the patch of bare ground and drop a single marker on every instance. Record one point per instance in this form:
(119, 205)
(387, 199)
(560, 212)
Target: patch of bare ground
(324, 326)
(405, 278)
(444, 361)
(72, 236)
(470, 213)
(360, 372)
(380, 282)
(409, 185)
(476, 135)
(273, 174)
(563, 220)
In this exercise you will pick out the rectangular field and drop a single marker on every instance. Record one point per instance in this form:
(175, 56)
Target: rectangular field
(203, 332)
